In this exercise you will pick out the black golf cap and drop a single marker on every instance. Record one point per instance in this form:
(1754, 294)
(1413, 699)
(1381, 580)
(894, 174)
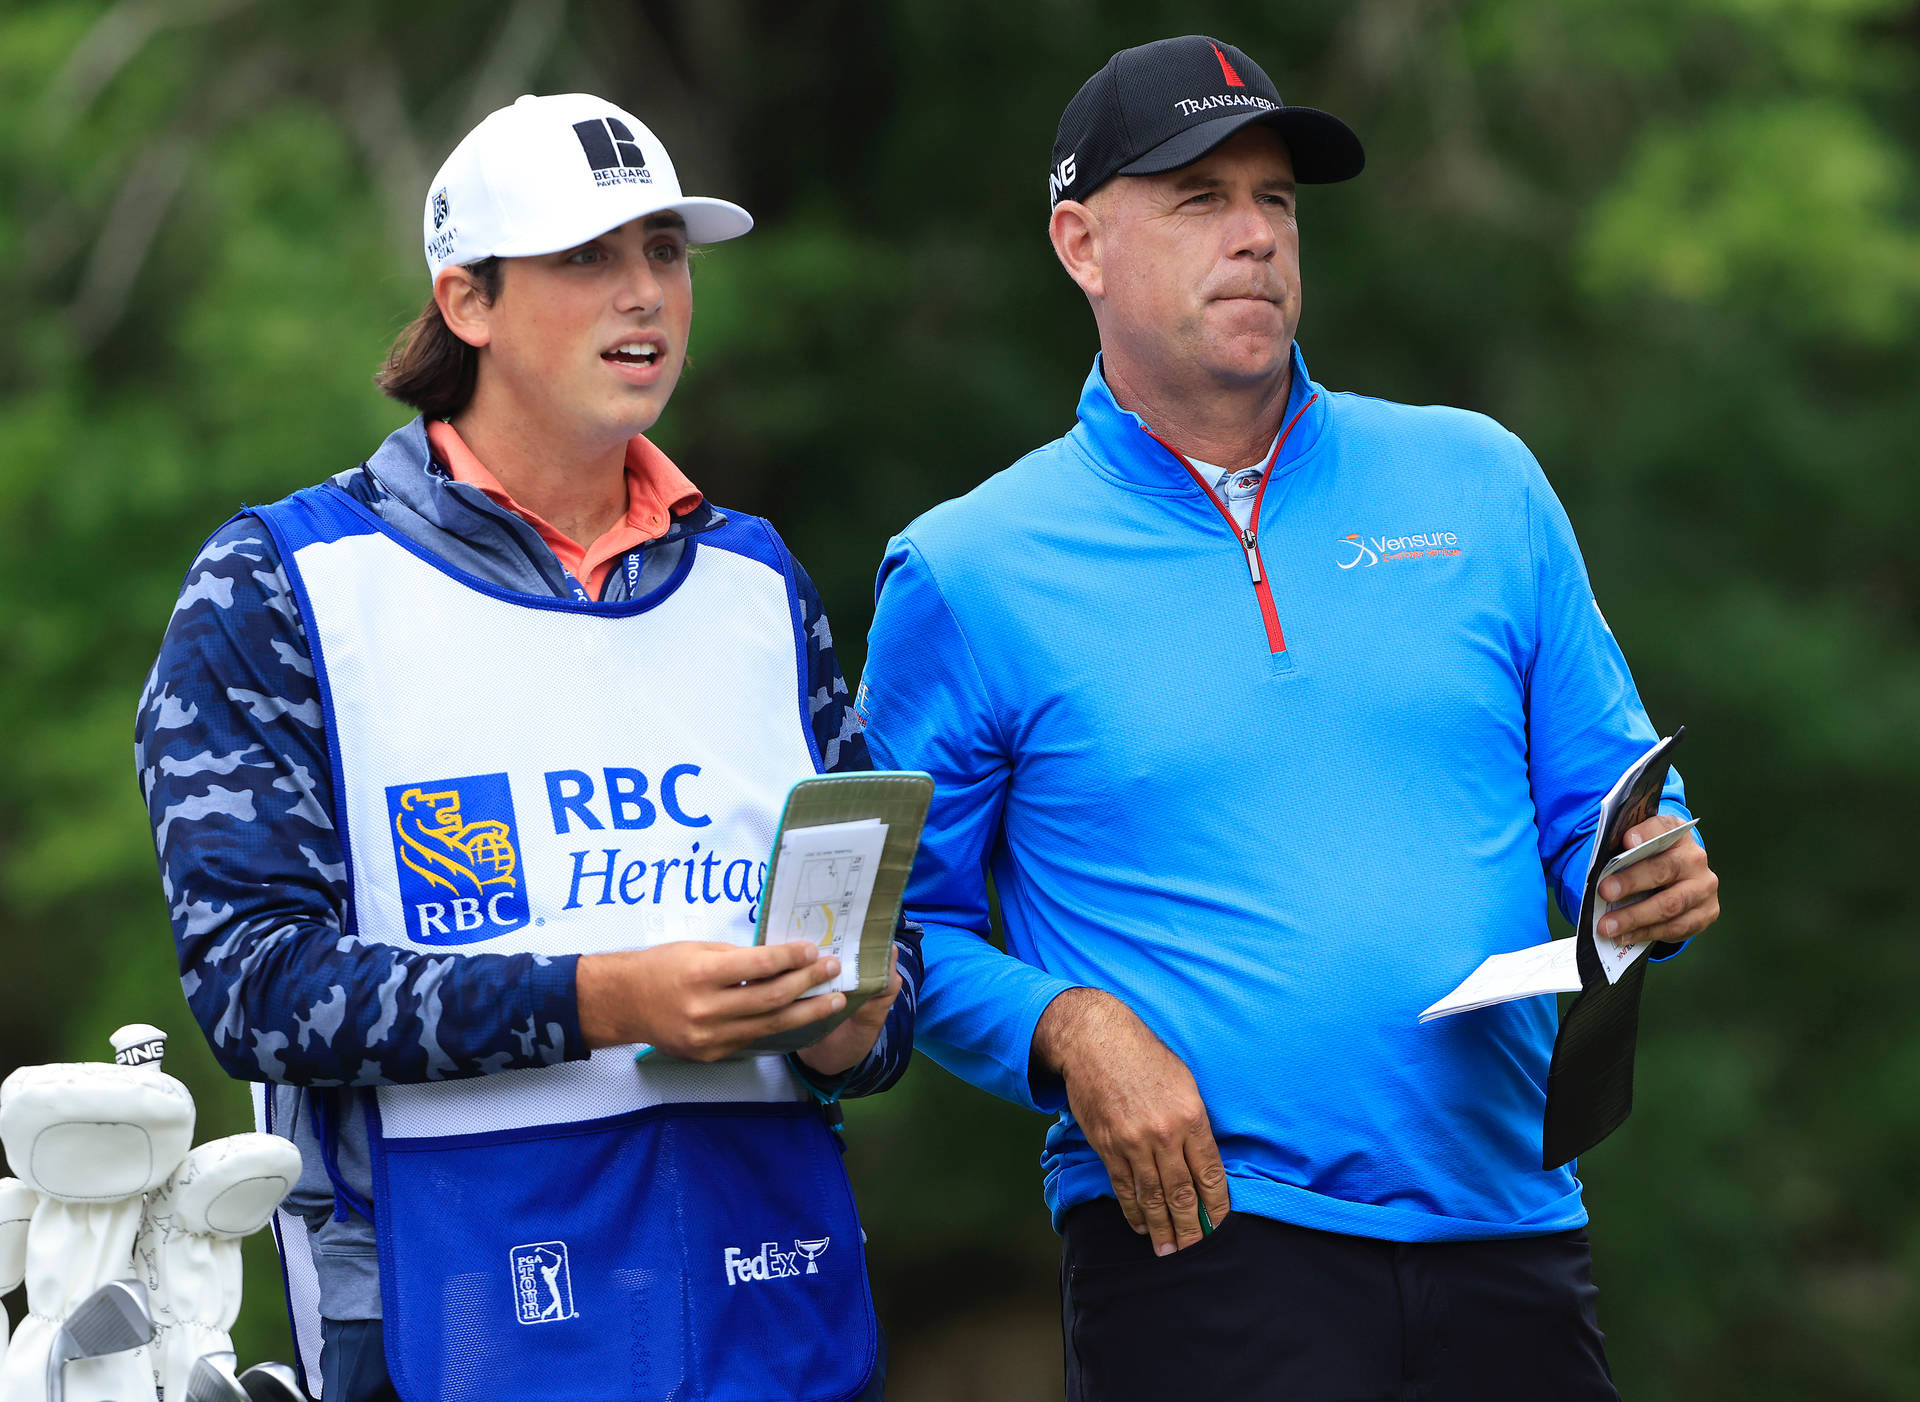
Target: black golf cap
(1166, 104)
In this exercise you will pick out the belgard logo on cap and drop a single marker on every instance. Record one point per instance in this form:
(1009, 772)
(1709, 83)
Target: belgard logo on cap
(612, 152)
(1166, 104)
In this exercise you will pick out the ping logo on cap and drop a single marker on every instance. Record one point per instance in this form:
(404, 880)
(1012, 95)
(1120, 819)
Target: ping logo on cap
(1060, 177)
(458, 853)
(612, 152)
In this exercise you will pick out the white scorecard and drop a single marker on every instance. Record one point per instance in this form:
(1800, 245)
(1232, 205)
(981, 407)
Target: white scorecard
(1552, 967)
(822, 886)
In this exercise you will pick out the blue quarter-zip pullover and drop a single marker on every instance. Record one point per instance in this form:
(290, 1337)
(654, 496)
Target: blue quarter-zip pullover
(1277, 790)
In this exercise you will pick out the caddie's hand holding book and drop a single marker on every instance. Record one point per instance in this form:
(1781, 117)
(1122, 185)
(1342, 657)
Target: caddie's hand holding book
(836, 877)
(838, 873)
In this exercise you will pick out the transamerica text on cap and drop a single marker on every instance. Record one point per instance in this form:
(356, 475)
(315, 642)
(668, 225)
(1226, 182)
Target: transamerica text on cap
(1187, 106)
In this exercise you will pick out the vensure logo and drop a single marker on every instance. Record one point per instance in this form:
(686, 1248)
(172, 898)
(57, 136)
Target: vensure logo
(1358, 552)
(458, 852)
(1364, 552)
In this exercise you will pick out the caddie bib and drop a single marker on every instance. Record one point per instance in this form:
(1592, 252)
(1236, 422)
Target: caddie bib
(516, 774)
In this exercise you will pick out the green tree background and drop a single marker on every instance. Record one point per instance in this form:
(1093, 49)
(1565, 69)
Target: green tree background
(1671, 243)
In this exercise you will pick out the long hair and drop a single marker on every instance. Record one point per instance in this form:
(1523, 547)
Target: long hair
(428, 367)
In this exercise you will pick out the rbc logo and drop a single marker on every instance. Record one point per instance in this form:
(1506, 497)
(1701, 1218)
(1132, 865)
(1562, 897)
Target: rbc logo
(458, 854)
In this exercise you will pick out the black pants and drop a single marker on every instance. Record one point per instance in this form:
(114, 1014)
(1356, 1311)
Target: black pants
(1262, 1311)
(353, 1364)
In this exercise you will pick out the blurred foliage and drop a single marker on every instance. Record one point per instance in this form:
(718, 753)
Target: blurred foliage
(1672, 243)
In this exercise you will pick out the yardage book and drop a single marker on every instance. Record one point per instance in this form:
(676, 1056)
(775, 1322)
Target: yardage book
(1590, 1081)
(837, 875)
(1554, 967)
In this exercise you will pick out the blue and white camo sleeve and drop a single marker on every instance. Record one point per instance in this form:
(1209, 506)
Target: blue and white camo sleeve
(231, 753)
(837, 731)
(829, 704)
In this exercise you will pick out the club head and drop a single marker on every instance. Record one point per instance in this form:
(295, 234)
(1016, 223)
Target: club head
(272, 1382)
(112, 1319)
(212, 1380)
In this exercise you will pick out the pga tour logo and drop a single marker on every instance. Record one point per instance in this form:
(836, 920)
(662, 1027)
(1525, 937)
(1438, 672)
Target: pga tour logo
(772, 1263)
(542, 1284)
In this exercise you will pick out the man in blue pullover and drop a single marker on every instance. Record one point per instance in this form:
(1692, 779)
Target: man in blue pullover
(1219, 936)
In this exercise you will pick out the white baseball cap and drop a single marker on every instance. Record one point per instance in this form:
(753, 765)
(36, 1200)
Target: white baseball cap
(551, 172)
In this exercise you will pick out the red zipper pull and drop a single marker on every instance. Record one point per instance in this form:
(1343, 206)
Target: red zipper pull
(1250, 542)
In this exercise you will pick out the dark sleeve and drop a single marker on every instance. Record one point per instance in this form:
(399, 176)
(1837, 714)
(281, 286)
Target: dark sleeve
(836, 729)
(829, 705)
(232, 757)
(893, 1050)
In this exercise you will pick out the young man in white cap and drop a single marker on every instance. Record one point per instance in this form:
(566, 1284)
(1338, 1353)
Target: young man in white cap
(463, 768)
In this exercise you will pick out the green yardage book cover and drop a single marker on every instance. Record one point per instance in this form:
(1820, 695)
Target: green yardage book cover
(898, 798)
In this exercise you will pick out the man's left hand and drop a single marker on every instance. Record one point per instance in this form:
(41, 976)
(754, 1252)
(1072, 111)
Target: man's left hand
(848, 1044)
(1686, 893)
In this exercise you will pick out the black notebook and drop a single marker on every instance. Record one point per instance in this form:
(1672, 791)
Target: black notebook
(1590, 1081)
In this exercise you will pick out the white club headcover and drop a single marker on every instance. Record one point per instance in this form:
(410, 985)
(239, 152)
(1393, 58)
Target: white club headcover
(189, 1248)
(89, 1140)
(16, 1210)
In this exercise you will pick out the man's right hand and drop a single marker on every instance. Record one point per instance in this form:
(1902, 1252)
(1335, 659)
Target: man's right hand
(1139, 1107)
(701, 1001)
